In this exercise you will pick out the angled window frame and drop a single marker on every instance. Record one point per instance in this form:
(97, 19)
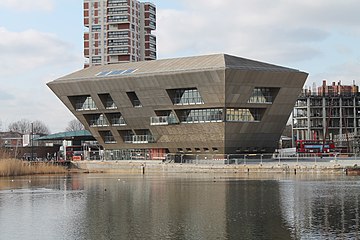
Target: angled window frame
(107, 101)
(82, 103)
(185, 96)
(135, 101)
(263, 95)
(244, 114)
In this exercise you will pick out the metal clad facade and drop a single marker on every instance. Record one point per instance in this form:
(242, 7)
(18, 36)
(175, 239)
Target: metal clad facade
(244, 104)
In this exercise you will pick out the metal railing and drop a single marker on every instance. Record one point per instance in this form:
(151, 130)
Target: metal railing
(139, 139)
(266, 158)
(163, 120)
(270, 159)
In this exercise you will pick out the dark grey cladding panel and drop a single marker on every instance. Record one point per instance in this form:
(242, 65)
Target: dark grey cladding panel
(247, 64)
(264, 134)
(242, 82)
(254, 140)
(154, 97)
(241, 78)
(121, 99)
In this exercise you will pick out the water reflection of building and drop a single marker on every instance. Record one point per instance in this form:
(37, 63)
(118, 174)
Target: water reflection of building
(158, 207)
(253, 210)
(321, 209)
(184, 208)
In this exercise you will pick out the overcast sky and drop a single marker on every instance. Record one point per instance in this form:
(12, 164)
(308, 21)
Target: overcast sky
(41, 40)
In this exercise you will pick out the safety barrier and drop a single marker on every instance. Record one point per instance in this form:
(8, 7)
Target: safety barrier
(258, 158)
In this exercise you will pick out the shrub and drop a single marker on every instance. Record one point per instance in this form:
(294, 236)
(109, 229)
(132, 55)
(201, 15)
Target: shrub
(13, 167)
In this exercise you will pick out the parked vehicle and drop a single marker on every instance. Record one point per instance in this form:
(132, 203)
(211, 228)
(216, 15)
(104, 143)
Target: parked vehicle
(315, 146)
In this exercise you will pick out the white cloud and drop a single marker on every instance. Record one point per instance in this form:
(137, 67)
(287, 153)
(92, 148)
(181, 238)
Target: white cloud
(34, 101)
(4, 95)
(347, 73)
(29, 60)
(28, 5)
(45, 107)
(31, 49)
(278, 31)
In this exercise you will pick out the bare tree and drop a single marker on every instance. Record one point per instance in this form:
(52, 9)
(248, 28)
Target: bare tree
(40, 128)
(24, 126)
(74, 125)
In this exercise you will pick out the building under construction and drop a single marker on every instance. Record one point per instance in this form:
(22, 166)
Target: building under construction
(329, 112)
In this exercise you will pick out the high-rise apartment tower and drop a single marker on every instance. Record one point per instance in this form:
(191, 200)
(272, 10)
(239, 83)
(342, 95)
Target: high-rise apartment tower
(119, 31)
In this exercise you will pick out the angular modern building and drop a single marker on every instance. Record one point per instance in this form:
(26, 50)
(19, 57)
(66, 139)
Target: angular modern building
(216, 104)
(118, 31)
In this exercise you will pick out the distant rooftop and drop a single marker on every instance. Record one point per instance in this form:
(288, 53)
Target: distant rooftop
(335, 89)
(83, 134)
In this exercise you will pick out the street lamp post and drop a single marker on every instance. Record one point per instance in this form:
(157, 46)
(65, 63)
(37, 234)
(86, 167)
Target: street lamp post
(32, 141)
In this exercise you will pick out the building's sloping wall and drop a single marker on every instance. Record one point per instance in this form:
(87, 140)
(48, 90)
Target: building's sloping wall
(154, 83)
(261, 135)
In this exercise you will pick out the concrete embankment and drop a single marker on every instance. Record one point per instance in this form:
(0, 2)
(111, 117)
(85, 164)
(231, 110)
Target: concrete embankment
(160, 167)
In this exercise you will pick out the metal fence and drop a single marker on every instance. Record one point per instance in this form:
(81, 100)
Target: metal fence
(258, 158)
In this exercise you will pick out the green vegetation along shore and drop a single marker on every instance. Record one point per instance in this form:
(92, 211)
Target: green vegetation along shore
(14, 167)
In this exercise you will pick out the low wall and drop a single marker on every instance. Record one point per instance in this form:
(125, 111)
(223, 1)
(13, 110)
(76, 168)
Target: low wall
(160, 167)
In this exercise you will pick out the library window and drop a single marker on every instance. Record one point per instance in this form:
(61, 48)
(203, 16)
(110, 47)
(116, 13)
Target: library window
(263, 95)
(244, 114)
(81, 103)
(201, 115)
(185, 96)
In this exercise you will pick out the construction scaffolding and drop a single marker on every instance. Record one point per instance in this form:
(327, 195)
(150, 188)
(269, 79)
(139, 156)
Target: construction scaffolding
(326, 113)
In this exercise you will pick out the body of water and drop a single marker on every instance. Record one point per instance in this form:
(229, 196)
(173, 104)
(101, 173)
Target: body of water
(179, 206)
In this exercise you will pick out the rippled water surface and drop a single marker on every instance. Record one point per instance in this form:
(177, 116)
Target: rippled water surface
(180, 206)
